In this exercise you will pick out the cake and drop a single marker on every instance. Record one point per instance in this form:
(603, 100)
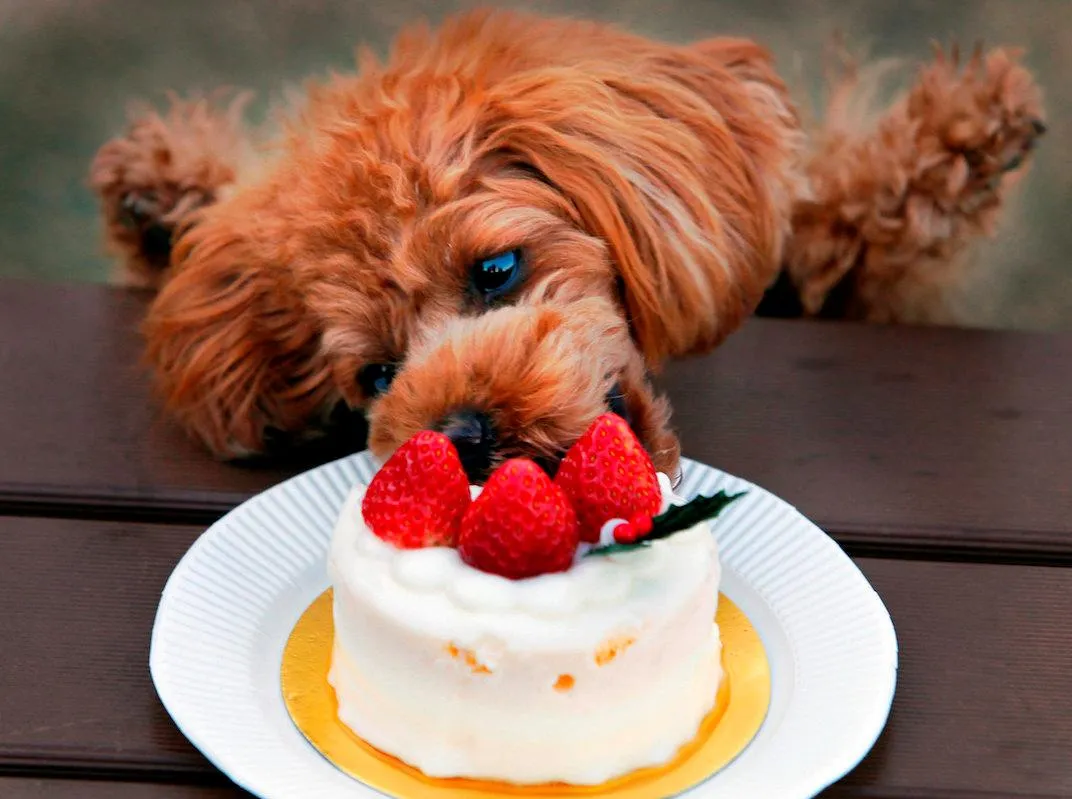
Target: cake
(601, 665)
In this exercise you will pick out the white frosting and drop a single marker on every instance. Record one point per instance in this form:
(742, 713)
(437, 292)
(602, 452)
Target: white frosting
(462, 673)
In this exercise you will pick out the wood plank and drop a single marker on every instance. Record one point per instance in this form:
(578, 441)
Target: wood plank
(81, 434)
(983, 707)
(26, 788)
(984, 697)
(895, 440)
(77, 602)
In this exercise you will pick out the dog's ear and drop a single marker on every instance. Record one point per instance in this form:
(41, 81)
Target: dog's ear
(235, 357)
(684, 161)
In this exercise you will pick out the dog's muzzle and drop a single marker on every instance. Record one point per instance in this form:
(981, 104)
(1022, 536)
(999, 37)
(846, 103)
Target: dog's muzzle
(474, 436)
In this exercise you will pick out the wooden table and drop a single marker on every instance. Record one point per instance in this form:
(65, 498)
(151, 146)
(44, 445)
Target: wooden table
(940, 460)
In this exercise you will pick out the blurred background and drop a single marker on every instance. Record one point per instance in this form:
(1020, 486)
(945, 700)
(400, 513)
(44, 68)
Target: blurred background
(68, 69)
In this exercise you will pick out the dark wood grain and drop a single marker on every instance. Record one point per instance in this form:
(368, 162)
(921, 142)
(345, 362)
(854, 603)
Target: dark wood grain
(984, 699)
(80, 432)
(26, 788)
(983, 707)
(78, 427)
(935, 442)
(78, 601)
(938, 442)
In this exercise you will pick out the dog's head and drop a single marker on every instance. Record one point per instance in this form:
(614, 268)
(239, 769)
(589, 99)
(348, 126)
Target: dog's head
(497, 234)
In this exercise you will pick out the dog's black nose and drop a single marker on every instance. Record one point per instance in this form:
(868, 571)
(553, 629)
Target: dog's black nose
(473, 435)
(616, 402)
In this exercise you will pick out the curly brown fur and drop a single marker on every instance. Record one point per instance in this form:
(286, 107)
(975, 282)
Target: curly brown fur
(543, 371)
(654, 191)
(648, 187)
(153, 178)
(895, 204)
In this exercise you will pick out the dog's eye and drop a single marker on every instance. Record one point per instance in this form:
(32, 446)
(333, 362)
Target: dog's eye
(499, 275)
(375, 378)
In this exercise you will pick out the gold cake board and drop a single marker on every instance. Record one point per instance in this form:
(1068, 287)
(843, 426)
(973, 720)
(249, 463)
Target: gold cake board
(743, 700)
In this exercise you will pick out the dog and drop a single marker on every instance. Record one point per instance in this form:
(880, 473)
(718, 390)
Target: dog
(505, 228)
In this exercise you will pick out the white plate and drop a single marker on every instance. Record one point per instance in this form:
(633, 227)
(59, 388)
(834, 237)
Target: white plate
(230, 604)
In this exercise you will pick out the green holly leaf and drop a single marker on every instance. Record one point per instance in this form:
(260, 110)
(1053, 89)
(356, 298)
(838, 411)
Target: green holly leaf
(676, 519)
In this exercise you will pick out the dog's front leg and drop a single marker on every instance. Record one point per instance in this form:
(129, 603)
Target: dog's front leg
(897, 199)
(151, 180)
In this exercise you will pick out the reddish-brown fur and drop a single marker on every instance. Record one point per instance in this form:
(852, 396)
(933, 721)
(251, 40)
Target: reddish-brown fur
(653, 189)
(894, 210)
(173, 164)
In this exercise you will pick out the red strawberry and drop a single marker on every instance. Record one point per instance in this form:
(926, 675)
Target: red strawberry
(608, 475)
(417, 499)
(521, 525)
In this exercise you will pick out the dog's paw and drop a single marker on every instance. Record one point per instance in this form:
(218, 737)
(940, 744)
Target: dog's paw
(986, 119)
(151, 217)
(152, 179)
(897, 203)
